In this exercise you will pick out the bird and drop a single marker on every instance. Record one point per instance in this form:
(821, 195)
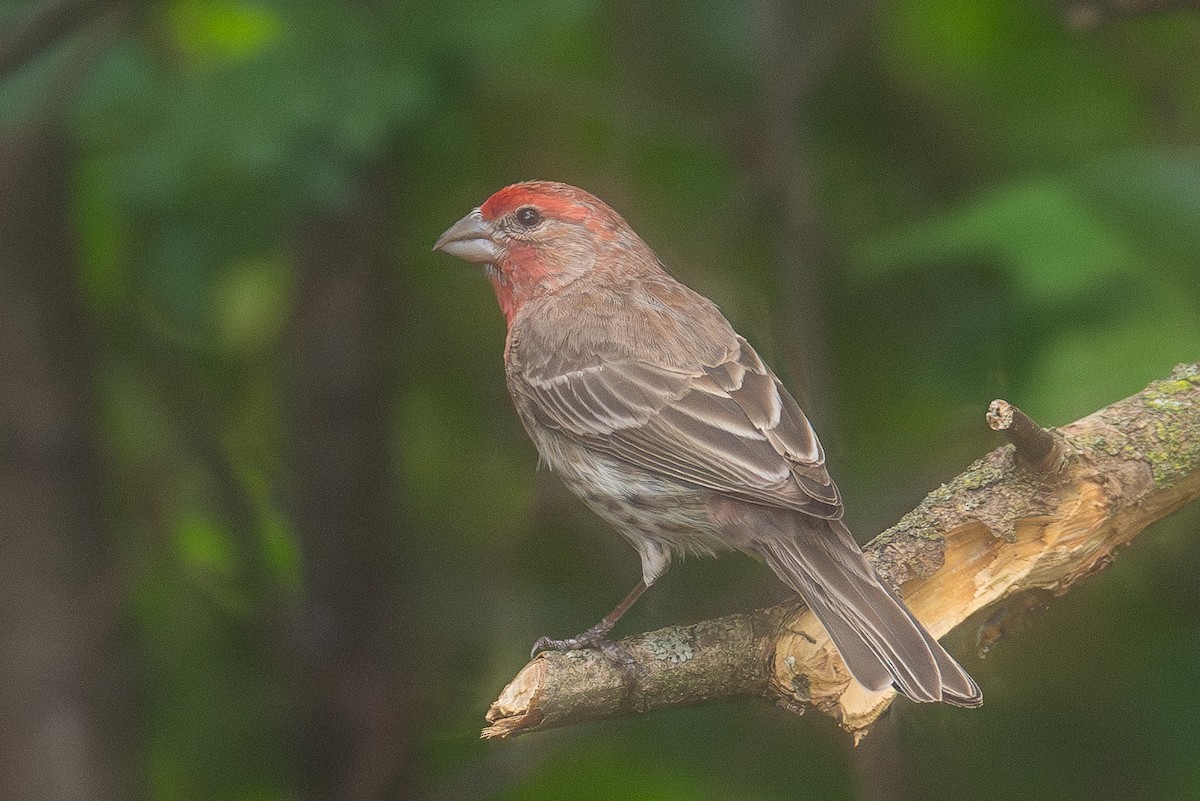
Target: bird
(640, 395)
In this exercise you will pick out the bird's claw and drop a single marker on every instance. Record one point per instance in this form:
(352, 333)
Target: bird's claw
(544, 644)
(615, 652)
(568, 644)
(594, 637)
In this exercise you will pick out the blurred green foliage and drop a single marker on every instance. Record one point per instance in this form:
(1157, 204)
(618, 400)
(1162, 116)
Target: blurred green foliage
(1013, 209)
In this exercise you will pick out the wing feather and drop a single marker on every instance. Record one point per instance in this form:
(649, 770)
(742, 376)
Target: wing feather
(730, 427)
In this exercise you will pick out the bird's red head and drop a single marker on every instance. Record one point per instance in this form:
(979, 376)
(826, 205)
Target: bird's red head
(540, 236)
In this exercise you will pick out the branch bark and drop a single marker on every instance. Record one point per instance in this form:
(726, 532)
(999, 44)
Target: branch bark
(1008, 533)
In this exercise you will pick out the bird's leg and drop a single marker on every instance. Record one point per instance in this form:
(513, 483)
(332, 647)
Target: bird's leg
(597, 634)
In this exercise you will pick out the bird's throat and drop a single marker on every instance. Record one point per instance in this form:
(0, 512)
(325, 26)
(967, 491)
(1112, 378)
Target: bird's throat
(505, 294)
(517, 280)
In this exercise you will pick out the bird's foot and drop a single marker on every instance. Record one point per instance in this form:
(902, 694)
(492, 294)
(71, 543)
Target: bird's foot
(595, 637)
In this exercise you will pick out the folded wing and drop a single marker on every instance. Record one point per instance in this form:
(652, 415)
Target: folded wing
(730, 427)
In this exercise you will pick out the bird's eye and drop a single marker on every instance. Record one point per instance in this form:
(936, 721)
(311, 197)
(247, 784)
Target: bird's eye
(528, 216)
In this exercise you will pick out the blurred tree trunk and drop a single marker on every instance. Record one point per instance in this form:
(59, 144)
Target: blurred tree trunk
(64, 726)
(353, 630)
(795, 60)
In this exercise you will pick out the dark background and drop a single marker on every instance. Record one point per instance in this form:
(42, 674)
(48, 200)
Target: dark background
(269, 528)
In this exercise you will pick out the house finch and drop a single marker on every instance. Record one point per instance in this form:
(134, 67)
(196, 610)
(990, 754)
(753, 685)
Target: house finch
(651, 408)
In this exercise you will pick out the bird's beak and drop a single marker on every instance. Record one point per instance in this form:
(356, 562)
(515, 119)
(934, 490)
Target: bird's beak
(470, 239)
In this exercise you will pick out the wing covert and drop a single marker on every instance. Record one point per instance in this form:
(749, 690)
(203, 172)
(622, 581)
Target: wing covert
(730, 427)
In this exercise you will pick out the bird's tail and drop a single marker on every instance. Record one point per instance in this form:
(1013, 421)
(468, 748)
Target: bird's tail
(877, 636)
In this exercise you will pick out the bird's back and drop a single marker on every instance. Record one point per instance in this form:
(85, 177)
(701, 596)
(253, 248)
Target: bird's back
(636, 318)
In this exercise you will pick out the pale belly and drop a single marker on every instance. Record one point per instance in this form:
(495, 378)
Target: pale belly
(652, 512)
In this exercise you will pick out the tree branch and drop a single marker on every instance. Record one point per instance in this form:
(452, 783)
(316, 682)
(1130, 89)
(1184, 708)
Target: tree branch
(1006, 532)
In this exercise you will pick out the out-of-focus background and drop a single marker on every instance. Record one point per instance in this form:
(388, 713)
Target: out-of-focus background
(269, 528)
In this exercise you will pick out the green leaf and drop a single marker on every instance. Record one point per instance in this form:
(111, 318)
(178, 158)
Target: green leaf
(1051, 242)
(212, 32)
(204, 546)
(1088, 367)
(251, 302)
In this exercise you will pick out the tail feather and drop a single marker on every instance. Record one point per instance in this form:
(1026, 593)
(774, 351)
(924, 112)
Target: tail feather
(958, 687)
(877, 636)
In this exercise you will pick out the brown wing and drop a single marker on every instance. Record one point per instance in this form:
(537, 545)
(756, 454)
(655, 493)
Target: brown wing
(730, 427)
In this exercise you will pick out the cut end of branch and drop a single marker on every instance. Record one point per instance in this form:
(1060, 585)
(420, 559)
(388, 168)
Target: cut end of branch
(1042, 450)
(516, 711)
